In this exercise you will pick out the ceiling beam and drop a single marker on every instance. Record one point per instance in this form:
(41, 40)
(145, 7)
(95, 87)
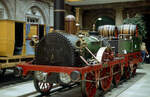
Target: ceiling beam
(116, 5)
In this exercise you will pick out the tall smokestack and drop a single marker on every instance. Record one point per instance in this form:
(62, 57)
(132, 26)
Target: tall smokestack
(59, 12)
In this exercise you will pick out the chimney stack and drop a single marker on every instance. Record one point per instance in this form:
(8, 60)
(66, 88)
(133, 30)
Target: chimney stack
(59, 12)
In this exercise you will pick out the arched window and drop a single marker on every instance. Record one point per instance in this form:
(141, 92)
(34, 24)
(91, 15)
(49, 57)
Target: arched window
(34, 16)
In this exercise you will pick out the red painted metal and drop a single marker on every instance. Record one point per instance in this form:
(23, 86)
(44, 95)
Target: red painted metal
(106, 82)
(134, 69)
(126, 61)
(30, 67)
(90, 86)
(127, 72)
(117, 74)
(117, 78)
(45, 68)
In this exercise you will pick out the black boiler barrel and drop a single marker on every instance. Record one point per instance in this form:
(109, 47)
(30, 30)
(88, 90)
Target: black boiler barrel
(59, 15)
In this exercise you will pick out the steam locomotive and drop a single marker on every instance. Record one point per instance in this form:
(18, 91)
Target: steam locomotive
(95, 60)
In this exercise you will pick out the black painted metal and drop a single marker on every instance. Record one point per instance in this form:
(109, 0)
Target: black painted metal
(55, 50)
(59, 4)
(59, 15)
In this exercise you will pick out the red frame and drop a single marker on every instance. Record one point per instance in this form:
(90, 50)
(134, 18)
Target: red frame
(131, 58)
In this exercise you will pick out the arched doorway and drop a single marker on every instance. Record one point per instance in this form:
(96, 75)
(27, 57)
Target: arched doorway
(3, 11)
(104, 20)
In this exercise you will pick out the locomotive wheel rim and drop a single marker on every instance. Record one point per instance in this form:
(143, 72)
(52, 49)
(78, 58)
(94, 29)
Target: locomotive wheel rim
(134, 70)
(127, 73)
(89, 88)
(106, 83)
(117, 76)
(43, 87)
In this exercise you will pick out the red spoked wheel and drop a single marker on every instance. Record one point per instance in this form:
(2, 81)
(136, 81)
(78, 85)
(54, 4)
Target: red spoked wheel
(106, 78)
(134, 69)
(104, 55)
(116, 74)
(42, 86)
(88, 87)
(127, 73)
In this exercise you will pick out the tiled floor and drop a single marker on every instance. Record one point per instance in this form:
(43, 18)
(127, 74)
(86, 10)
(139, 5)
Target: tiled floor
(135, 87)
(17, 90)
(142, 87)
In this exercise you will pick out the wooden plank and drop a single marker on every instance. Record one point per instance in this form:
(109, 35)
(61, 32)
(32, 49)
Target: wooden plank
(16, 57)
(10, 65)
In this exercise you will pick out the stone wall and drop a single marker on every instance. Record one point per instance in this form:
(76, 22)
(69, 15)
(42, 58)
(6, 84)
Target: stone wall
(19, 9)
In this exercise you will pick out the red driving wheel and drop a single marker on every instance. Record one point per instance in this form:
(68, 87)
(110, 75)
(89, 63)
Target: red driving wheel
(105, 55)
(117, 74)
(106, 75)
(134, 69)
(89, 85)
(127, 72)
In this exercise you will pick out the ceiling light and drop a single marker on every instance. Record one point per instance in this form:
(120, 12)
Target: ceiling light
(99, 19)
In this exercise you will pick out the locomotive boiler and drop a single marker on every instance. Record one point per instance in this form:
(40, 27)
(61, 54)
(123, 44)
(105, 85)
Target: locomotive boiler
(62, 49)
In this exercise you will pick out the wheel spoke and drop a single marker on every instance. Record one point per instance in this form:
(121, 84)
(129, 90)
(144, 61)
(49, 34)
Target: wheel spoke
(106, 83)
(117, 76)
(43, 87)
(89, 88)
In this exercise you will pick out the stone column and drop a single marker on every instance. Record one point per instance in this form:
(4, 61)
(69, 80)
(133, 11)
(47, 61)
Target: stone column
(80, 17)
(119, 16)
(51, 15)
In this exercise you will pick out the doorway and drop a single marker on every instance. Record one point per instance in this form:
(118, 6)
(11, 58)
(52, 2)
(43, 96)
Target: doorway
(18, 38)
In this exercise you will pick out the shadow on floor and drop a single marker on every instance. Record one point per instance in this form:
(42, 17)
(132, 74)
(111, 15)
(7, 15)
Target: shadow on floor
(9, 79)
(76, 91)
